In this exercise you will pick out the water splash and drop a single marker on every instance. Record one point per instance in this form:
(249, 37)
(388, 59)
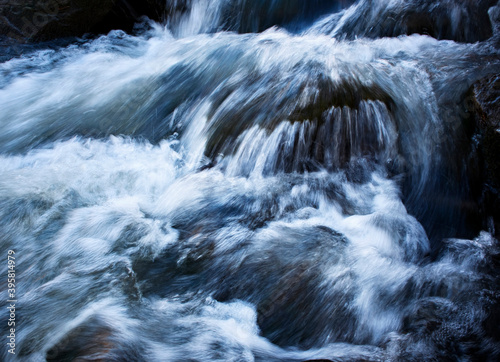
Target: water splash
(190, 193)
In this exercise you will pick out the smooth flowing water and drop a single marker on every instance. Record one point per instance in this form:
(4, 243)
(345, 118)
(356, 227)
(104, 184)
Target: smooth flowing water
(251, 181)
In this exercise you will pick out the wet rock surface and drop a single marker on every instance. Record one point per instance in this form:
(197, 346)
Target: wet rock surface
(486, 95)
(462, 21)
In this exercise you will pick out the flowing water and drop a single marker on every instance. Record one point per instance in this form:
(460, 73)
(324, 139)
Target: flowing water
(251, 181)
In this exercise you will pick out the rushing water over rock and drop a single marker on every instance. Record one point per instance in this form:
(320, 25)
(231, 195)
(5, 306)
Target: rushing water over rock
(303, 192)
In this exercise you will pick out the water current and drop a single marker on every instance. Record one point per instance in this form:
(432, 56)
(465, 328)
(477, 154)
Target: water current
(251, 181)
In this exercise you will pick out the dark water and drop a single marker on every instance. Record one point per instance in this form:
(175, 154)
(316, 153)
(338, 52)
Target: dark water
(252, 181)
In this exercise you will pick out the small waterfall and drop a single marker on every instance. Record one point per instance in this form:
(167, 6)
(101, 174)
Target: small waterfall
(246, 16)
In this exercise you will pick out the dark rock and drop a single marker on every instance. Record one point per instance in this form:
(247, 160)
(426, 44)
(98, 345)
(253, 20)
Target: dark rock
(485, 104)
(88, 339)
(94, 340)
(467, 199)
(31, 20)
(460, 20)
(487, 93)
(295, 306)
